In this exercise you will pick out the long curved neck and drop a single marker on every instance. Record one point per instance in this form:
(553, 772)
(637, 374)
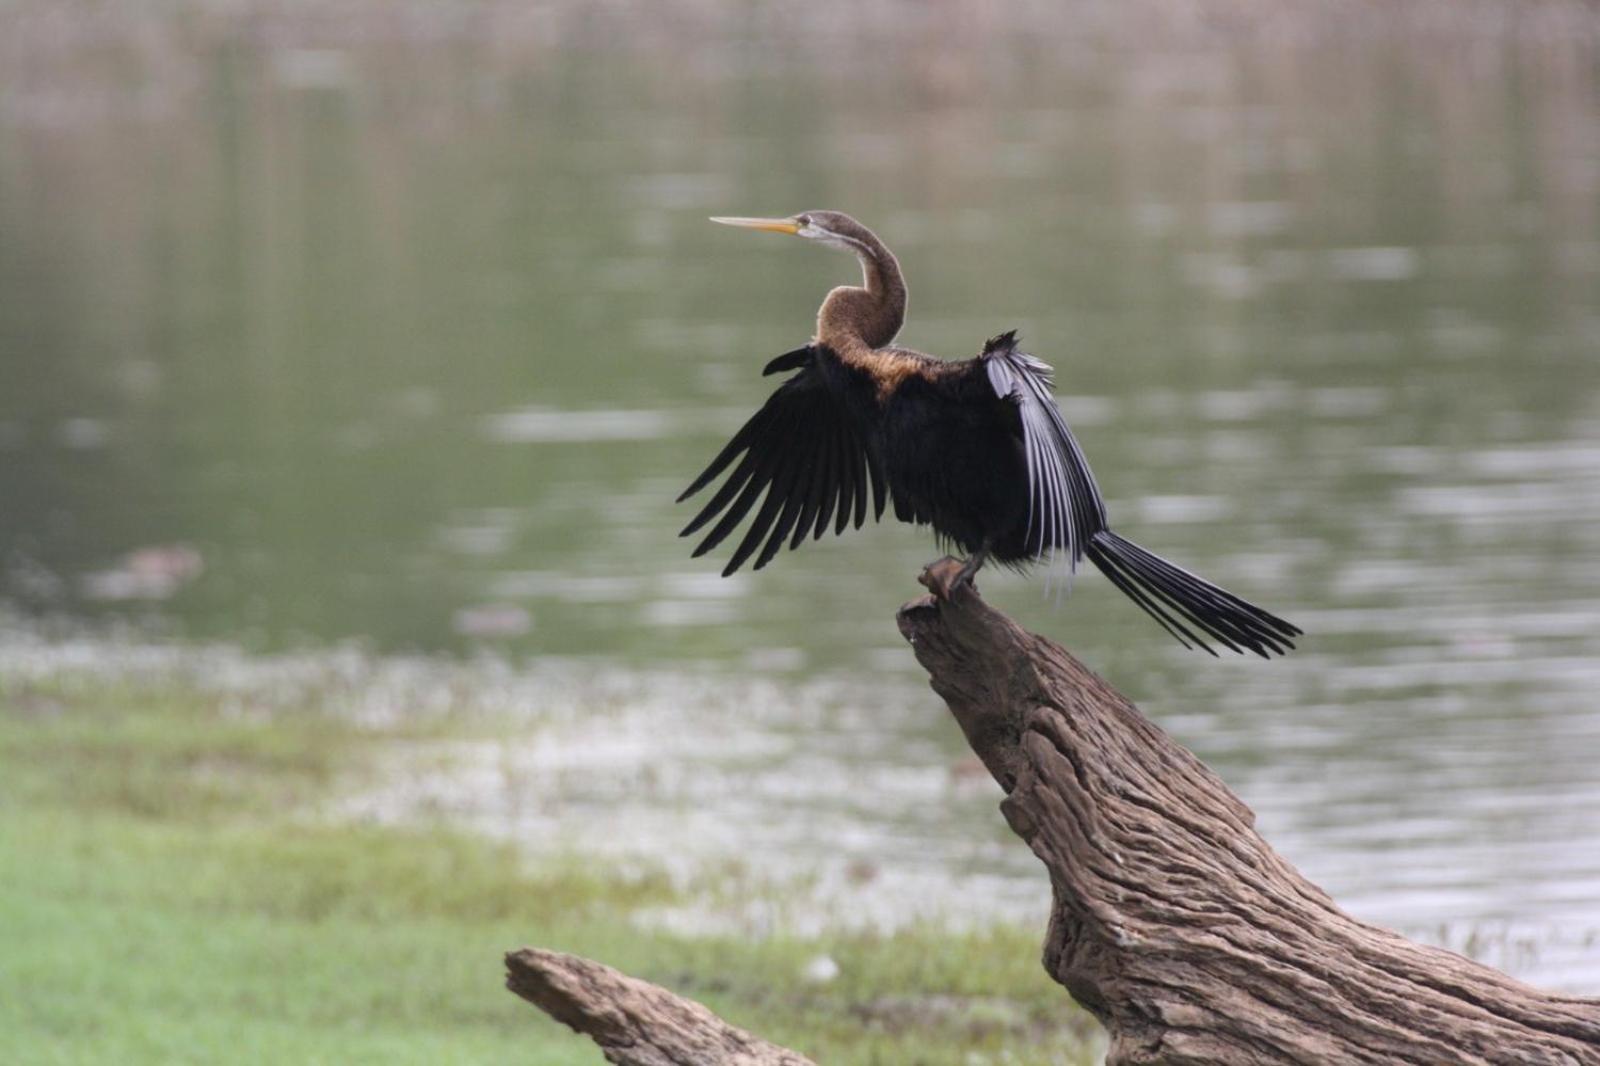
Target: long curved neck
(869, 315)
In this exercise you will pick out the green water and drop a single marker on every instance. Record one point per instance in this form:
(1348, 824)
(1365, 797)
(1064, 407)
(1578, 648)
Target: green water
(404, 324)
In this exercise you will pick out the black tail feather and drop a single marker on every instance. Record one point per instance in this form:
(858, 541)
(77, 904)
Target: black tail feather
(1173, 596)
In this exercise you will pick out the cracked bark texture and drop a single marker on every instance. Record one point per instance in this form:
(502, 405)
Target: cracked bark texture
(1173, 921)
(634, 1022)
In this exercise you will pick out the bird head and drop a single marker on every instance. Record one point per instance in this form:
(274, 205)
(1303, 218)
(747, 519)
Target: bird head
(833, 228)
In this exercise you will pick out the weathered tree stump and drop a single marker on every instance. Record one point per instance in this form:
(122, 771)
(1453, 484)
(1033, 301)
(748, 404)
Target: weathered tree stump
(1173, 921)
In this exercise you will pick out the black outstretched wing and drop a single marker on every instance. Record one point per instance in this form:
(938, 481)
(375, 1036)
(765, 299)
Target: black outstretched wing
(1065, 511)
(803, 450)
(1064, 504)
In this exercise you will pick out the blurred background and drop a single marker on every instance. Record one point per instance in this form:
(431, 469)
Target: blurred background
(363, 347)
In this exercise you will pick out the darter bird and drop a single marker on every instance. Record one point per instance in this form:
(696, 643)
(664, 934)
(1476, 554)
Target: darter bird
(975, 448)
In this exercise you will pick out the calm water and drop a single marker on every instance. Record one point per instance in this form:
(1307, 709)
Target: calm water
(403, 323)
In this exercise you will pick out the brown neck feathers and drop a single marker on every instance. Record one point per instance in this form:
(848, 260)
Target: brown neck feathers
(872, 314)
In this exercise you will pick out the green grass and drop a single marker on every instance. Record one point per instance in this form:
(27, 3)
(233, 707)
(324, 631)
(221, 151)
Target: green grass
(169, 895)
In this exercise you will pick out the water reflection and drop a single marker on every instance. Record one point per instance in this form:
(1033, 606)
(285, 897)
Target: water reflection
(405, 320)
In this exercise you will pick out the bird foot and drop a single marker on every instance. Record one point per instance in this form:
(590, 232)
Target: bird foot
(947, 577)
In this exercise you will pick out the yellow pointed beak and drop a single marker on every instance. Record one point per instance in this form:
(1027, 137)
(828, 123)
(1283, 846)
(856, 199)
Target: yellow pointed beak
(771, 225)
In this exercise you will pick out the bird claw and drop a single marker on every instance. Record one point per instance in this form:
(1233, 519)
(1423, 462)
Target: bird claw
(946, 577)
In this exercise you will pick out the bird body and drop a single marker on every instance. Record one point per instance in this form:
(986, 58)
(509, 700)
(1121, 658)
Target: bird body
(977, 449)
(949, 454)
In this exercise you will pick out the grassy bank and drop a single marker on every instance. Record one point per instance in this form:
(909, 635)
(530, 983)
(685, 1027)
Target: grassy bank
(171, 894)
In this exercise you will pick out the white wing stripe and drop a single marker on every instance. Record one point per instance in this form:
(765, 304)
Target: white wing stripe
(1064, 505)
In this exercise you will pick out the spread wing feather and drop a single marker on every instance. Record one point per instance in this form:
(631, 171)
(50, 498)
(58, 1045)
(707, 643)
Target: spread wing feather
(1066, 512)
(1064, 505)
(805, 453)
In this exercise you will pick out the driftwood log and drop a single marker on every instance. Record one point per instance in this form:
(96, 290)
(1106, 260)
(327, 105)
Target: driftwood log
(1173, 921)
(635, 1022)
